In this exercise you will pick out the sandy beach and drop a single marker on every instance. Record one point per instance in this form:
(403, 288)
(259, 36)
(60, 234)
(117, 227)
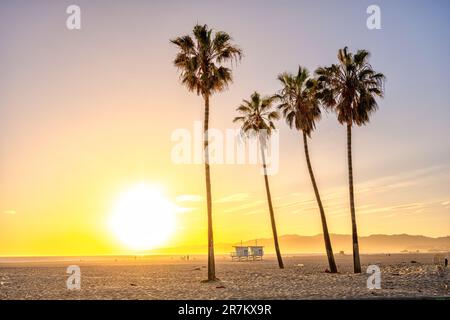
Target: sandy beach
(402, 276)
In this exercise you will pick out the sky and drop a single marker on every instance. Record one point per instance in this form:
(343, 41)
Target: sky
(86, 114)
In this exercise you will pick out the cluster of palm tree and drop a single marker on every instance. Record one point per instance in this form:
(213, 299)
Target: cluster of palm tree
(349, 88)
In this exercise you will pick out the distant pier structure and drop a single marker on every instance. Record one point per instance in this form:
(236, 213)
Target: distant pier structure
(247, 253)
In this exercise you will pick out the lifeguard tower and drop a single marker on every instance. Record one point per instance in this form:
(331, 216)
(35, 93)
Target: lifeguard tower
(247, 253)
(256, 252)
(240, 253)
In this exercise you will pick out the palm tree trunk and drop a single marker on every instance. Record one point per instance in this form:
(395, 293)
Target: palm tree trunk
(272, 216)
(356, 260)
(211, 262)
(326, 235)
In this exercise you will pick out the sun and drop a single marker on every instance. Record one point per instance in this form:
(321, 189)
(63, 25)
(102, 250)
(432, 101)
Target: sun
(143, 218)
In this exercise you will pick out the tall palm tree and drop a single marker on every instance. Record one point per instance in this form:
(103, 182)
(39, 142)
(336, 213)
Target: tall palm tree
(257, 116)
(301, 109)
(350, 89)
(200, 62)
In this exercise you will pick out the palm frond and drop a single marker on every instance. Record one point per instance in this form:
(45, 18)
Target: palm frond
(200, 60)
(349, 88)
(299, 102)
(257, 115)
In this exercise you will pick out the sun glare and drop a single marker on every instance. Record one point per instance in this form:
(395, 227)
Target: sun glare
(143, 218)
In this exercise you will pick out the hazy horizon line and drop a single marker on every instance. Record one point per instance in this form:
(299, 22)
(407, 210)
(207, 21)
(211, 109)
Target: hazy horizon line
(160, 251)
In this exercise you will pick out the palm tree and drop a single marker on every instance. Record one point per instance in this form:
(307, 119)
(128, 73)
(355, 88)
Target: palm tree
(350, 89)
(301, 109)
(257, 116)
(200, 62)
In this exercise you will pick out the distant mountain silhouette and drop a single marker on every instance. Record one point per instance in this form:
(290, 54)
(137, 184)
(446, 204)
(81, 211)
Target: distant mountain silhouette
(372, 244)
(378, 243)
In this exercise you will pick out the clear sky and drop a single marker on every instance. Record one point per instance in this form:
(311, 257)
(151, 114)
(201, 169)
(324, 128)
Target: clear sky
(86, 114)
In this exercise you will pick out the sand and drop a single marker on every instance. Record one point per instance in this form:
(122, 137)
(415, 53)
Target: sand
(402, 276)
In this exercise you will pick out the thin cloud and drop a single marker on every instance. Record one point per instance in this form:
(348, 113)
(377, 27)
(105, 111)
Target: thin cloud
(254, 212)
(404, 180)
(254, 204)
(184, 210)
(188, 198)
(401, 209)
(238, 197)
(10, 212)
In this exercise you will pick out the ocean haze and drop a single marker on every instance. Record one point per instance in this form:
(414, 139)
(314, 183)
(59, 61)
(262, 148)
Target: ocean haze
(377, 243)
